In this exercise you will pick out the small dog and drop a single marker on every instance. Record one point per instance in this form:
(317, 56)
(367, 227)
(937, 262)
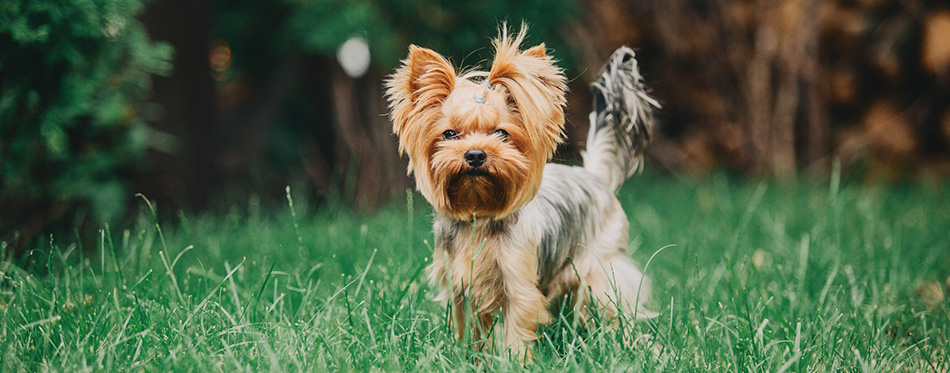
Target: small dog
(513, 233)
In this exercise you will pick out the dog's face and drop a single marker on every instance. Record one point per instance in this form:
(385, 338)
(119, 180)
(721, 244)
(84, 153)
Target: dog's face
(478, 147)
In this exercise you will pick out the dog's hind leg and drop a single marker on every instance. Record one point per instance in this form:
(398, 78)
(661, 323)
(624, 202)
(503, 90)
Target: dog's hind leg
(615, 282)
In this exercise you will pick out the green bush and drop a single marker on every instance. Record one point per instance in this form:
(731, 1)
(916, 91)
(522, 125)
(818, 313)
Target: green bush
(74, 79)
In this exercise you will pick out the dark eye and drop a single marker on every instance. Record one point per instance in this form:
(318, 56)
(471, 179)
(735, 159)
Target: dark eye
(449, 135)
(502, 133)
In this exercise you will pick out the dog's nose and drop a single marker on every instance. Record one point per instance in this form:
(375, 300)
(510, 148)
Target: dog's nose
(475, 157)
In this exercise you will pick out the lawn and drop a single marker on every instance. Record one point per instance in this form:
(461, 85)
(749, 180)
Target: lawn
(753, 276)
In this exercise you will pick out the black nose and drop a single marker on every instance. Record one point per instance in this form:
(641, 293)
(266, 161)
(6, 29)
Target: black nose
(475, 157)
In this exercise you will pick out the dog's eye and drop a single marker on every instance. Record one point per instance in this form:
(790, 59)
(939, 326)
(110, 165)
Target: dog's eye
(503, 134)
(449, 135)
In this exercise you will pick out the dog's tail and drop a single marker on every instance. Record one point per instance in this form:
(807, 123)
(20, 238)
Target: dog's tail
(621, 123)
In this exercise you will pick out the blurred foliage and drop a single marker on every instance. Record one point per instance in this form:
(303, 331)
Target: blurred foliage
(261, 33)
(74, 76)
(76, 119)
(753, 86)
(305, 114)
(453, 28)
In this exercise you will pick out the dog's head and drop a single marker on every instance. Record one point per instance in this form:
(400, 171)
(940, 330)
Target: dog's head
(478, 142)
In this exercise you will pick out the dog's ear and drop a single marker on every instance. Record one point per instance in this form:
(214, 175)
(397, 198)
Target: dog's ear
(416, 92)
(535, 86)
(537, 51)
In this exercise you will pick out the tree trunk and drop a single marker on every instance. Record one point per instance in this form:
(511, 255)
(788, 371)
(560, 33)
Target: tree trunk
(184, 177)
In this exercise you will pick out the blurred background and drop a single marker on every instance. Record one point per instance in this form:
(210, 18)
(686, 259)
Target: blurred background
(199, 105)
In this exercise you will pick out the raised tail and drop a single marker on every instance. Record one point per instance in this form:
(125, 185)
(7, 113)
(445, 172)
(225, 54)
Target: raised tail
(621, 123)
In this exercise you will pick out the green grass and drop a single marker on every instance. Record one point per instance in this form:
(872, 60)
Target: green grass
(762, 277)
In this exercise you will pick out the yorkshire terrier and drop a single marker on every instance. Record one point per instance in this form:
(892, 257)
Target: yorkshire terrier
(513, 232)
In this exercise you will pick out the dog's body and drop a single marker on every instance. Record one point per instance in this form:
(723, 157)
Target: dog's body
(512, 232)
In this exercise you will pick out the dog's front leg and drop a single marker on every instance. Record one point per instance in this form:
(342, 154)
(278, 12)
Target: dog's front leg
(482, 326)
(525, 310)
(460, 310)
(526, 307)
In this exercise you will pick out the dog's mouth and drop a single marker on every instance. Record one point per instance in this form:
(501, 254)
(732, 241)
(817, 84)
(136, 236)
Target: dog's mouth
(475, 172)
(472, 175)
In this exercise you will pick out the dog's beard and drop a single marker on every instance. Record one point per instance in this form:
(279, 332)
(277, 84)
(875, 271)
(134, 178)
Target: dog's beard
(491, 190)
(478, 191)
